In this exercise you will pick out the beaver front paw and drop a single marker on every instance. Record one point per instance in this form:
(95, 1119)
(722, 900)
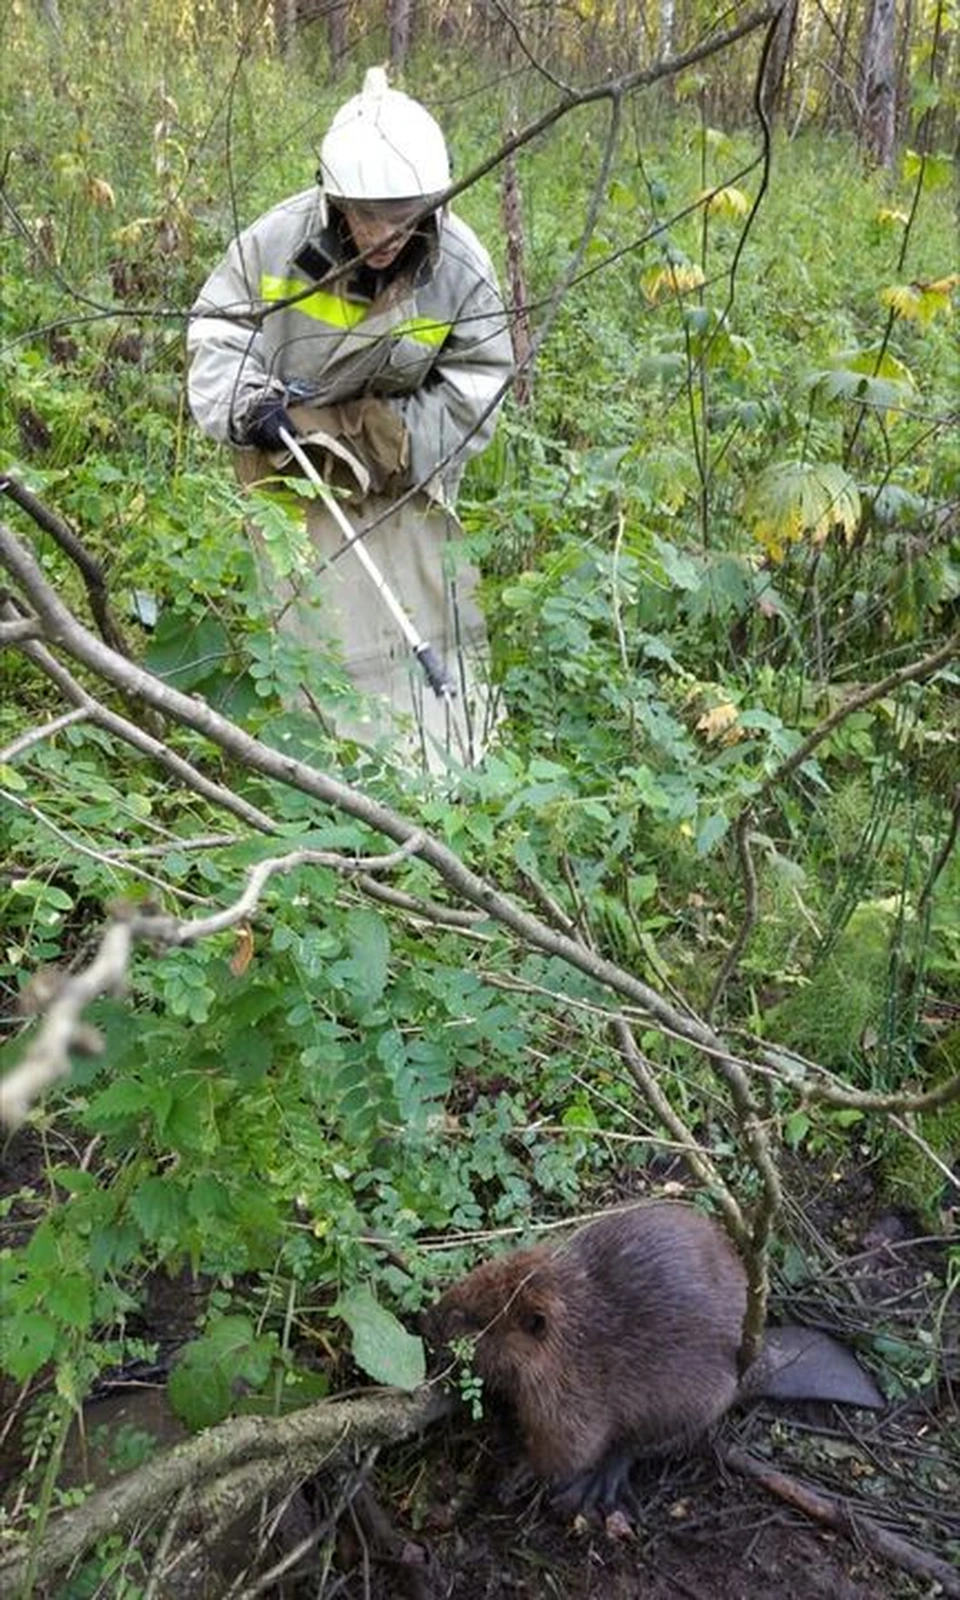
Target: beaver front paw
(604, 1487)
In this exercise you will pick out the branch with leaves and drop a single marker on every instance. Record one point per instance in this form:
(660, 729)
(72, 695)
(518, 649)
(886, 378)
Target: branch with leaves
(63, 999)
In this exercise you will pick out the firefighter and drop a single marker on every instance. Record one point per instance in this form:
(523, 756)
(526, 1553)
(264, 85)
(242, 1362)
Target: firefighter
(366, 319)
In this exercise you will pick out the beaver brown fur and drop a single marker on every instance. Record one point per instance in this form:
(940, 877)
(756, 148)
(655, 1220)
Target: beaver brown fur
(620, 1341)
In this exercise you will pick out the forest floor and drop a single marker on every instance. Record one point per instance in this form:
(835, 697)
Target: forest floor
(431, 1522)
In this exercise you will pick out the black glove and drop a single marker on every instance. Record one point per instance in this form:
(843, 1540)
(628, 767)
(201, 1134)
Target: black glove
(262, 423)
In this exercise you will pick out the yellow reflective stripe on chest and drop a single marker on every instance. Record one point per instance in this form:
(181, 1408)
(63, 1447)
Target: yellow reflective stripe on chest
(339, 313)
(323, 307)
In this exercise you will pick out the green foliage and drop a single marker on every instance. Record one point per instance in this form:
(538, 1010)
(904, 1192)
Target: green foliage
(727, 505)
(213, 1371)
(836, 1017)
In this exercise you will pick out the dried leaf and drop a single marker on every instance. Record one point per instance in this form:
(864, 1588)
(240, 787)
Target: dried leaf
(243, 953)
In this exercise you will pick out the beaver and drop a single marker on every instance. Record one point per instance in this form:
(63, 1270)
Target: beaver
(623, 1341)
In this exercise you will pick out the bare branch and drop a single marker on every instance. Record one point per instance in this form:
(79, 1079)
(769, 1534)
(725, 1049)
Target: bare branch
(90, 569)
(17, 632)
(62, 1030)
(285, 769)
(817, 1086)
(698, 1160)
(46, 731)
(926, 1149)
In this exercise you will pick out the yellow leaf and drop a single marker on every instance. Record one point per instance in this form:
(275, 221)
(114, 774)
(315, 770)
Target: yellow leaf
(100, 194)
(243, 954)
(720, 723)
(792, 500)
(942, 285)
(729, 201)
(918, 302)
(664, 283)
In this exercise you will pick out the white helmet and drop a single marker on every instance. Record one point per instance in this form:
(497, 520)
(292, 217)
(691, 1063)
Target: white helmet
(382, 145)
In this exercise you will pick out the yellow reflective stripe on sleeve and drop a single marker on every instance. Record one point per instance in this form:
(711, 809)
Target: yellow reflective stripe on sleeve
(320, 305)
(426, 330)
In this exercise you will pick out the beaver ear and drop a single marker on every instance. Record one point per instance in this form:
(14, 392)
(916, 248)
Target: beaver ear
(534, 1323)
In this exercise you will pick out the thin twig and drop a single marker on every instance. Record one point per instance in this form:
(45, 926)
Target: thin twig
(848, 1519)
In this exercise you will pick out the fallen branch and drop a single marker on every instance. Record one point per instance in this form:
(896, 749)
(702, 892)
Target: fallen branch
(847, 1519)
(34, 736)
(275, 1450)
(61, 627)
(88, 566)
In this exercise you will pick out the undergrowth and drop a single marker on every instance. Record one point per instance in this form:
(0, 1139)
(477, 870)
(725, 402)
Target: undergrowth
(731, 502)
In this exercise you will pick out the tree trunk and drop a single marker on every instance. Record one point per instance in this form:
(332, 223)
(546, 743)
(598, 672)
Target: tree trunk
(668, 18)
(401, 20)
(778, 58)
(877, 76)
(337, 35)
(516, 277)
(285, 26)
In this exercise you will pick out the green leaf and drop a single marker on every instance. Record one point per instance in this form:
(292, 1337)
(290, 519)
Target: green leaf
(796, 1128)
(124, 1099)
(160, 1209)
(27, 1341)
(710, 833)
(186, 652)
(934, 171)
(381, 1344)
(11, 779)
(213, 1370)
(68, 1299)
(369, 943)
(199, 1389)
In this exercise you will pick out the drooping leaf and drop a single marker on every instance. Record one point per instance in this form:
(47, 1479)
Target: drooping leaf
(921, 302)
(866, 378)
(791, 501)
(728, 201)
(669, 282)
(381, 1344)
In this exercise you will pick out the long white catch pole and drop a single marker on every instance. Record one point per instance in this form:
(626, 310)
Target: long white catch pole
(441, 684)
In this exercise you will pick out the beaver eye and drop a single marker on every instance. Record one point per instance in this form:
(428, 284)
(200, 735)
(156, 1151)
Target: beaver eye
(534, 1323)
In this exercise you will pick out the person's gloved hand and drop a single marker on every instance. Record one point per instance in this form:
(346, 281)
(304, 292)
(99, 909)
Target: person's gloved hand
(262, 423)
(373, 430)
